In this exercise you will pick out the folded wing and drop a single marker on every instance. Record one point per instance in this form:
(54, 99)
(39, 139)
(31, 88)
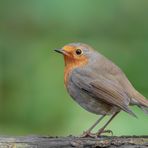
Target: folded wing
(104, 87)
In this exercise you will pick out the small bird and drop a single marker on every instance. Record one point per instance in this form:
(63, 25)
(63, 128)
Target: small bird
(98, 85)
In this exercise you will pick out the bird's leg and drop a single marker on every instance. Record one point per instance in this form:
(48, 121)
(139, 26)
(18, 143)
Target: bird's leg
(88, 132)
(106, 131)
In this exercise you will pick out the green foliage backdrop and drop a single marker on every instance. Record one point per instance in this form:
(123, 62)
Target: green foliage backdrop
(33, 99)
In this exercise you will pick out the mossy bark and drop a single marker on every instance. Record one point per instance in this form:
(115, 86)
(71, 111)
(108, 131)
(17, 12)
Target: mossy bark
(71, 141)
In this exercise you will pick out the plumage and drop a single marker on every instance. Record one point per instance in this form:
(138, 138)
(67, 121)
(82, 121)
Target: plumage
(102, 88)
(103, 80)
(97, 84)
(70, 64)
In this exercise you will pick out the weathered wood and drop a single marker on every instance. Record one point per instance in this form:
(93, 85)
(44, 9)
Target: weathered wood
(69, 142)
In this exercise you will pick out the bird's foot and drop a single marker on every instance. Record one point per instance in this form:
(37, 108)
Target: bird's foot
(95, 135)
(101, 131)
(88, 134)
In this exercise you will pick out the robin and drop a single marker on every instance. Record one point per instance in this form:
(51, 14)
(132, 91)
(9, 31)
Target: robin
(98, 85)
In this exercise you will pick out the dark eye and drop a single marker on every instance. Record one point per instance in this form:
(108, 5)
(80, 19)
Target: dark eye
(78, 51)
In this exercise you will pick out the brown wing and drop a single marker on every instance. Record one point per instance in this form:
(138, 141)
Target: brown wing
(111, 92)
(102, 86)
(103, 65)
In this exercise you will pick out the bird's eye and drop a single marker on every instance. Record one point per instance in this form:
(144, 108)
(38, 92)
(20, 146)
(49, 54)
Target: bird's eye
(78, 51)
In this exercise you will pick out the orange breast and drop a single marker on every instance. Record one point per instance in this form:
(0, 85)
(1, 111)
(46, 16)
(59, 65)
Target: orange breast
(70, 64)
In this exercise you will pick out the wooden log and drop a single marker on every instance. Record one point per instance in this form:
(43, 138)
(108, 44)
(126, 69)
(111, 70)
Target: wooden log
(71, 142)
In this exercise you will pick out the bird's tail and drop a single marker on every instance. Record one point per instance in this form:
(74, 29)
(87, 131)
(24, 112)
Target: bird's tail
(145, 109)
(140, 101)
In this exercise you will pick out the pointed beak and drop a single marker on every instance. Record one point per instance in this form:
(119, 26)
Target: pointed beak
(61, 51)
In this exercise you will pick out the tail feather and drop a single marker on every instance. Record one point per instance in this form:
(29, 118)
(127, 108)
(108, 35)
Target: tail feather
(141, 99)
(131, 113)
(145, 109)
(141, 102)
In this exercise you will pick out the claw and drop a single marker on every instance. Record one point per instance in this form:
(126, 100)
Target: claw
(88, 134)
(104, 131)
(95, 135)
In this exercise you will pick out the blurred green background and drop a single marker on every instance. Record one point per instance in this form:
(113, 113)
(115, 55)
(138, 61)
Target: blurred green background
(33, 99)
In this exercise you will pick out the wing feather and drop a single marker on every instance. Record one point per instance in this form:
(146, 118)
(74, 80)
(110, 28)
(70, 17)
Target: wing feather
(103, 87)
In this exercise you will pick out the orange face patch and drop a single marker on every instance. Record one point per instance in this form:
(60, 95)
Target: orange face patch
(72, 60)
(71, 57)
(69, 48)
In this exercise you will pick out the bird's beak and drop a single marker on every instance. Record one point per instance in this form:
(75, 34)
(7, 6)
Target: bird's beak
(61, 51)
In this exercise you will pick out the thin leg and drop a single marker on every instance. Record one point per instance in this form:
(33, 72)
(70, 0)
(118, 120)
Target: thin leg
(102, 129)
(94, 125)
(87, 133)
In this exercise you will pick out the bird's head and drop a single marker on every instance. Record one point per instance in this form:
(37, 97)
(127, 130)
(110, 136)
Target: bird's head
(76, 53)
